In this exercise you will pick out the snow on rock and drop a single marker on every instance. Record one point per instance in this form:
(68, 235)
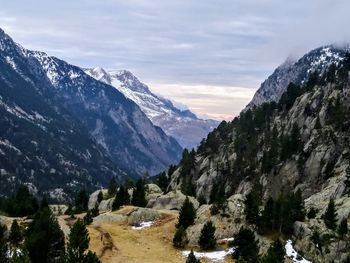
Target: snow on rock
(293, 255)
(143, 225)
(213, 255)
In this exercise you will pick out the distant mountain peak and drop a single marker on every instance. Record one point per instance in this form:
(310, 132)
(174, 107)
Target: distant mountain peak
(181, 124)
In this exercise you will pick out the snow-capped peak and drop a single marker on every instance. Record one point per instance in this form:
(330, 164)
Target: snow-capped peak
(161, 111)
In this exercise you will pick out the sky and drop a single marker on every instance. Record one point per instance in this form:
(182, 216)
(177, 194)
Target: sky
(210, 55)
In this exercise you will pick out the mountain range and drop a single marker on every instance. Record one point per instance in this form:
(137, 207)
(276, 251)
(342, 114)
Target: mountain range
(63, 128)
(183, 125)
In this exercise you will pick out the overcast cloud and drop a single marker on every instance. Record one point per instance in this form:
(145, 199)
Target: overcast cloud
(211, 55)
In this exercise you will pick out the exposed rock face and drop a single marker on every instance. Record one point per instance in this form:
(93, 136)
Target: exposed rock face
(139, 215)
(301, 143)
(183, 125)
(172, 200)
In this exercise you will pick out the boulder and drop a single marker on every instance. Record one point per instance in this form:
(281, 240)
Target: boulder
(139, 215)
(109, 217)
(93, 198)
(171, 201)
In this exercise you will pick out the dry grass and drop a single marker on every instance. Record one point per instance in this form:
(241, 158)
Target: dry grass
(118, 243)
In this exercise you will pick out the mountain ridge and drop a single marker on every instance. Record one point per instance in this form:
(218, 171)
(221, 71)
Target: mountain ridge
(183, 125)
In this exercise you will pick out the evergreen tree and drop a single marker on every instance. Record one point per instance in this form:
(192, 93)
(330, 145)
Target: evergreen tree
(252, 203)
(16, 235)
(81, 201)
(3, 245)
(95, 212)
(312, 213)
(207, 239)
(78, 243)
(122, 198)
(100, 197)
(330, 216)
(246, 246)
(187, 214)
(44, 238)
(275, 253)
(343, 228)
(192, 258)
(180, 238)
(112, 187)
(88, 218)
(139, 194)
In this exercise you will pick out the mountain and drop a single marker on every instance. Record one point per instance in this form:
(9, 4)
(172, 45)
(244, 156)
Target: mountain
(183, 125)
(89, 118)
(297, 71)
(275, 152)
(41, 143)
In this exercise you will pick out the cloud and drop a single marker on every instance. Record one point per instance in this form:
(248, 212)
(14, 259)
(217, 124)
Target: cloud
(188, 43)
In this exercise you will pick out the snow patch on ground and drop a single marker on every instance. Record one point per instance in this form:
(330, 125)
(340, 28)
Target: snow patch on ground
(143, 225)
(292, 254)
(228, 239)
(213, 255)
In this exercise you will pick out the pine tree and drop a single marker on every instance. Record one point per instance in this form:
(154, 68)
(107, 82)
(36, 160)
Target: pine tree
(45, 233)
(343, 228)
(78, 243)
(275, 253)
(16, 235)
(88, 218)
(192, 258)
(187, 214)
(81, 201)
(3, 245)
(99, 197)
(112, 187)
(252, 203)
(246, 246)
(122, 198)
(207, 239)
(330, 216)
(139, 194)
(180, 238)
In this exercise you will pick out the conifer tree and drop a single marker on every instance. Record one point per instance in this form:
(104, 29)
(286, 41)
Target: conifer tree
(207, 239)
(330, 216)
(122, 198)
(44, 238)
(112, 187)
(81, 201)
(187, 214)
(275, 253)
(78, 243)
(343, 228)
(16, 235)
(246, 246)
(252, 203)
(99, 197)
(192, 258)
(3, 245)
(180, 238)
(139, 194)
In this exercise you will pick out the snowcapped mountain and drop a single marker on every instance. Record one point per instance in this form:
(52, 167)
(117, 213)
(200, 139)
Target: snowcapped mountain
(183, 125)
(89, 118)
(296, 71)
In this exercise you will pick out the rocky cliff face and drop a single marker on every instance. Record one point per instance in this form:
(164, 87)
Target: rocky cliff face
(115, 123)
(183, 125)
(296, 71)
(41, 143)
(299, 143)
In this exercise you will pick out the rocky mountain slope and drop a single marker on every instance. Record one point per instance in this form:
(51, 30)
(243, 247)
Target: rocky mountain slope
(41, 143)
(300, 143)
(183, 125)
(297, 71)
(116, 123)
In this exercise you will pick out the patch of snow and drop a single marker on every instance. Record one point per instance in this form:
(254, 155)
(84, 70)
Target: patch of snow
(8, 144)
(228, 239)
(10, 61)
(213, 255)
(293, 254)
(143, 225)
